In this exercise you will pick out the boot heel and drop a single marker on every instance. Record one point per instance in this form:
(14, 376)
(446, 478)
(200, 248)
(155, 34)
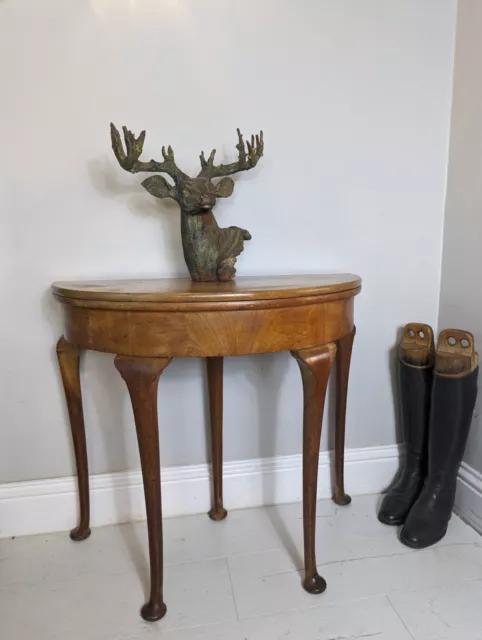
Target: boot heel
(415, 375)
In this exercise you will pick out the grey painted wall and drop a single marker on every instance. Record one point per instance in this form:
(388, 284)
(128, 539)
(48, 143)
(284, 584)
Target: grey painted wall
(461, 291)
(354, 98)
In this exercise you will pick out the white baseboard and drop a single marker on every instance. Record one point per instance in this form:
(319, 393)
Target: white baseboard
(41, 506)
(468, 502)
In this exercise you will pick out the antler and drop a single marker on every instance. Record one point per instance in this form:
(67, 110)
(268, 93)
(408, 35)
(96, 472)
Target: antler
(130, 160)
(245, 160)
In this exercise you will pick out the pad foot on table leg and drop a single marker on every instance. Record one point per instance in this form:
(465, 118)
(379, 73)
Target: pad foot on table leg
(153, 611)
(80, 533)
(342, 499)
(217, 513)
(314, 584)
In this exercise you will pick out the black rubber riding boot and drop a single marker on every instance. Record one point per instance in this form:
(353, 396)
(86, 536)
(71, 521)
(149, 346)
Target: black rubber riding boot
(415, 373)
(453, 401)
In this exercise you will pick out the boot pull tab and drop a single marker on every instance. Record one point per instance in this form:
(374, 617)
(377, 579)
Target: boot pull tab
(455, 355)
(416, 345)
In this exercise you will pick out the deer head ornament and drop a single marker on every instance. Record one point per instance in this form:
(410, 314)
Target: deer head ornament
(209, 251)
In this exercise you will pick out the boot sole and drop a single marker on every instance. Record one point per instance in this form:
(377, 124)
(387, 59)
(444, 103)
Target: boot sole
(407, 543)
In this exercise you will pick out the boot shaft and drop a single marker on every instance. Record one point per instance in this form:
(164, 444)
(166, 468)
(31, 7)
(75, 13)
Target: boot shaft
(415, 397)
(454, 395)
(415, 378)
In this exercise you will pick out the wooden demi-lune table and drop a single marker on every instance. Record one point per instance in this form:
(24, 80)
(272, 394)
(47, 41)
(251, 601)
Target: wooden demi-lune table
(146, 323)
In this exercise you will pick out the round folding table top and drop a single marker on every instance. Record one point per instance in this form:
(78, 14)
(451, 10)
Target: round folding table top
(170, 290)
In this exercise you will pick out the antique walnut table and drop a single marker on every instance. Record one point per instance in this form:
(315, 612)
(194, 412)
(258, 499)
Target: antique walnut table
(146, 323)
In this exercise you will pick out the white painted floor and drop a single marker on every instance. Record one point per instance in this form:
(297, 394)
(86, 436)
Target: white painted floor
(240, 580)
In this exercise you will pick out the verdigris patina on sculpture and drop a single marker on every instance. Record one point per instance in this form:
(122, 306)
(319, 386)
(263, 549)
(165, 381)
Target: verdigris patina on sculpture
(209, 251)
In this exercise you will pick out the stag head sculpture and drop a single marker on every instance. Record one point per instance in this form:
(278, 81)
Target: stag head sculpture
(209, 251)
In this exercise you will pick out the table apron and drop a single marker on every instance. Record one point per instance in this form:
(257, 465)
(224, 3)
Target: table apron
(208, 333)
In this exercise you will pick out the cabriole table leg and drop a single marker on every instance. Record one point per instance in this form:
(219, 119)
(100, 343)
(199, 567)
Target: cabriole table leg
(215, 385)
(315, 364)
(343, 358)
(142, 377)
(69, 360)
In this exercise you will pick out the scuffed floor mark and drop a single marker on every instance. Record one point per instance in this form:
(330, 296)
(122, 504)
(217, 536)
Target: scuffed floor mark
(357, 637)
(433, 608)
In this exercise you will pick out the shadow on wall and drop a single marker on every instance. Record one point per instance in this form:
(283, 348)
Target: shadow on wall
(267, 379)
(105, 180)
(52, 314)
(107, 398)
(393, 368)
(394, 379)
